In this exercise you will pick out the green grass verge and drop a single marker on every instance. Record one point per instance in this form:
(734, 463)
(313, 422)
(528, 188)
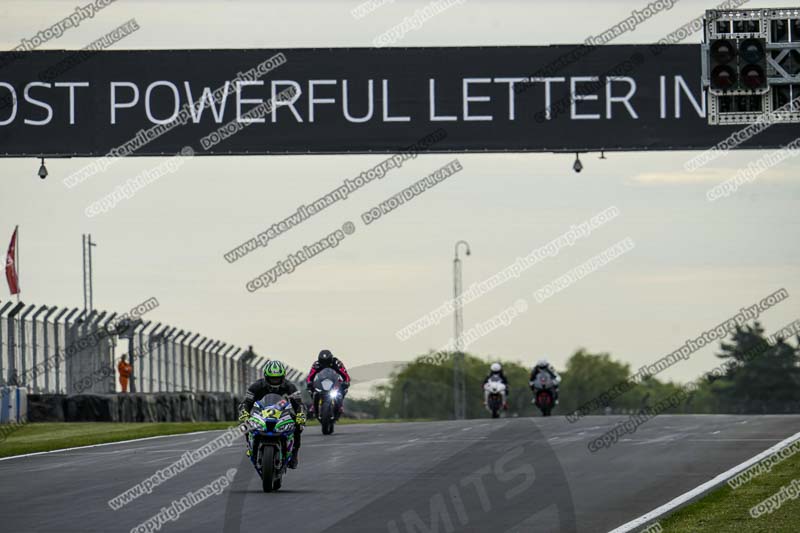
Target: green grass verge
(47, 436)
(728, 510)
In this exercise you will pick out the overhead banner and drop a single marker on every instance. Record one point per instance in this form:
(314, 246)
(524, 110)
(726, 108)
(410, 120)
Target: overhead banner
(359, 100)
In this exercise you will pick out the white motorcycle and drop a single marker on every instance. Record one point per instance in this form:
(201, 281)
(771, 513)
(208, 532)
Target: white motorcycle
(494, 396)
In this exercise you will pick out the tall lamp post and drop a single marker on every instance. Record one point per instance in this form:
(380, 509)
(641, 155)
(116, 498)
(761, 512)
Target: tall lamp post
(459, 390)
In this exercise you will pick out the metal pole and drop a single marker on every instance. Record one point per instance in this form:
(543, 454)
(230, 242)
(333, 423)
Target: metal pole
(35, 347)
(189, 365)
(201, 364)
(175, 344)
(12, 329)
(169, 342)
(141, 357)
(208, 366)
(46, 354)
(151, 339)
(65, 355)
(83, 268)
(56, 355)
(218, 366)
(91, 284)
(459, 387)
(24, 348)
(183, 359)
(233, 374)
(2, 310)
(226, 365)
(129, 335)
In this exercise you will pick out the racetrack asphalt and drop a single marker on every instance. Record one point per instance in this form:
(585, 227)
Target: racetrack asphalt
(507, 475)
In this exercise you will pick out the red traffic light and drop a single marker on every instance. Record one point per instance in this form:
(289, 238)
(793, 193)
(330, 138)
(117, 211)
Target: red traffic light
(753, 77)
(723, 77)
(723, 51)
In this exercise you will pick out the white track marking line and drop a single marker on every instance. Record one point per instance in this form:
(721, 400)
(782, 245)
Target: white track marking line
(702, 489)
(730, 440)
(108, 444)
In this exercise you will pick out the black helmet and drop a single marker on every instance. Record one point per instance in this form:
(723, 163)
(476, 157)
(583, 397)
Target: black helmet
(325, 358)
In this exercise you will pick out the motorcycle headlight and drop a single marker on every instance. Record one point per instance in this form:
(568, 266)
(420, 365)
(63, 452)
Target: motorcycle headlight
(334, 394)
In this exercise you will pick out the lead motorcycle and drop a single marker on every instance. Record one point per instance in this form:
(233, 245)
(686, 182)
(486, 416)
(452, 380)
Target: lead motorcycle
(327, 398)
(270, 439)
(543, 396)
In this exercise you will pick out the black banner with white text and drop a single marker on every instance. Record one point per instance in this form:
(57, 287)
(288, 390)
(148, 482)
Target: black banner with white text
(358, 100)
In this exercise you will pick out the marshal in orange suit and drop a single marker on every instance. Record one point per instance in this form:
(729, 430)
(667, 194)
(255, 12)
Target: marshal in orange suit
(125, 370)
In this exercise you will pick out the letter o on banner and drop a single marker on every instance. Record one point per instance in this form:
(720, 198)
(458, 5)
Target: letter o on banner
(148, 100)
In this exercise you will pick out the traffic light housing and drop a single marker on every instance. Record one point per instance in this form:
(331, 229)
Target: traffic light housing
(738, 64)
(724, 71)
(751, 65)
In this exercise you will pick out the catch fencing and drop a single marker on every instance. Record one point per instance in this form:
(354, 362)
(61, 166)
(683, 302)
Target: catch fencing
(51, 350)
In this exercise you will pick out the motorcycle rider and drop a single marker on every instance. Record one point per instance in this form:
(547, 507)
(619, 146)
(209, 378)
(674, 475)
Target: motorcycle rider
(496, 370)
(274, 382)
(325, 359)
(544, 366)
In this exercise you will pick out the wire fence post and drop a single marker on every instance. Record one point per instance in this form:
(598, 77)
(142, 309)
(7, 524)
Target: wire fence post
(140, 382)
(226, 366)
(208, 368)
(47, 356)
(175, 344)
(153, 357)
(190, 361)
(24, 344)
(11, 333)
(64, 353)
(218, 367)
(2, 312)
(183, 359)
(201, 365)
(35, 327)
(169, 360)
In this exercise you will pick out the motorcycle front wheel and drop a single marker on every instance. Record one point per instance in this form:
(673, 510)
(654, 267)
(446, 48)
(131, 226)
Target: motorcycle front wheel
(326, 418)
(268, 469)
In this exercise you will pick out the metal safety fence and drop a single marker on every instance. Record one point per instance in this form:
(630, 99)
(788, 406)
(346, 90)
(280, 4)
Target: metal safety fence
(71, 351)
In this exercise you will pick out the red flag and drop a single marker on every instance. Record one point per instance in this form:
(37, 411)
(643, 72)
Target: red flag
(11, 264)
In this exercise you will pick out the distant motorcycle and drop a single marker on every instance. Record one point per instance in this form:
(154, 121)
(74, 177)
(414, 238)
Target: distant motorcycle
(271, 439)
(495, 394)
(543, 396)
(327, 392)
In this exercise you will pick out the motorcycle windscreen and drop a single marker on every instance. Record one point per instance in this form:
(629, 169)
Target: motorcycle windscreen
(326, 379)
(271, 399)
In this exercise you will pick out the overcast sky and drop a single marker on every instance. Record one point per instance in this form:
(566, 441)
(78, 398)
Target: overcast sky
(694, 265)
